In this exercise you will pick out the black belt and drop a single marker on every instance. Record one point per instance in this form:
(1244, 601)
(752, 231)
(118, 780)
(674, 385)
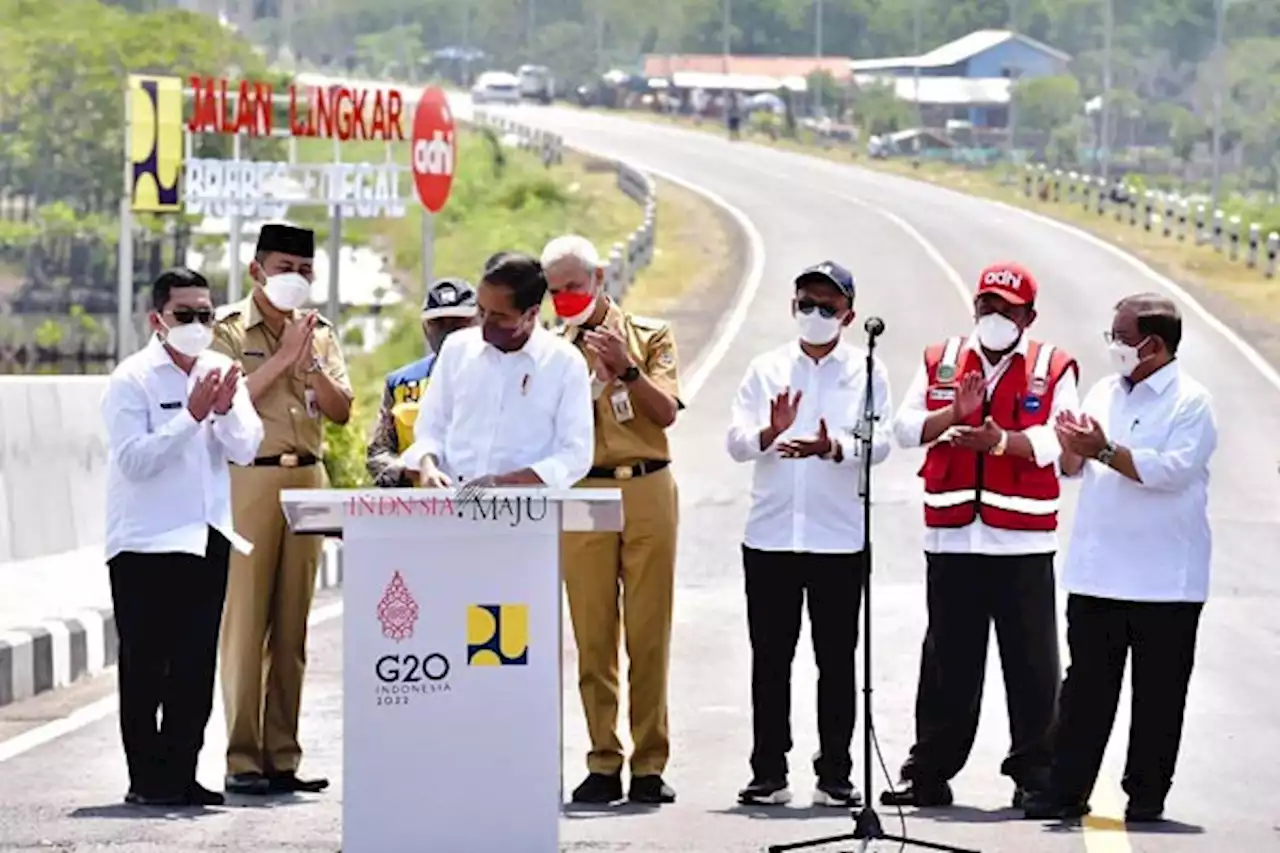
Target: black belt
(286, 460)
(626, 472)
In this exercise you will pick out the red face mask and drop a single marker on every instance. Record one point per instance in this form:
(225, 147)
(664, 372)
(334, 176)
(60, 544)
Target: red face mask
(571, 303)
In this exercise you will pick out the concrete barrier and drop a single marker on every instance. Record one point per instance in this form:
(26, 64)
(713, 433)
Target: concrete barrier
(53, 465)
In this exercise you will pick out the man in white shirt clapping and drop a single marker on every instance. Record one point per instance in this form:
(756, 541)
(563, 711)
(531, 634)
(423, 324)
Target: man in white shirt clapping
(1137, 570)
(796, 417)
(509, 402)
(176, 415)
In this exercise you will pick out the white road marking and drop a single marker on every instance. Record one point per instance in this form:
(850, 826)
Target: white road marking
(105, 707)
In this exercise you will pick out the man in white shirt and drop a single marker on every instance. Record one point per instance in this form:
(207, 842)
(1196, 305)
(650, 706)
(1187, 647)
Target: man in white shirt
(796, 417)
(509, 403)
(1137, 571)
(176, 416)
(983, 404)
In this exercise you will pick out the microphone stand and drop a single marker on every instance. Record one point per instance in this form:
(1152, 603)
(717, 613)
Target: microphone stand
(866, 823)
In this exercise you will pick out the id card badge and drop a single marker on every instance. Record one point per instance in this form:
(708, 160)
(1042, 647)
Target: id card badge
(313, 408)
(620, 400)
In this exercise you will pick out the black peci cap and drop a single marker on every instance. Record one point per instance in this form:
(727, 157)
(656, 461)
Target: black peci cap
(287, 240)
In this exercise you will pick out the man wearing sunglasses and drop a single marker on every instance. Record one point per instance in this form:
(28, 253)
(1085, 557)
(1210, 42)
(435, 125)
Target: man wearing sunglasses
(176, 416)
(450, 306)
(984, 405)
(796, 417)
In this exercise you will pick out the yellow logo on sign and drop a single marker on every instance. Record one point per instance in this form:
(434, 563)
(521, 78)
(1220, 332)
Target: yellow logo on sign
(155, 143)
(498, 634)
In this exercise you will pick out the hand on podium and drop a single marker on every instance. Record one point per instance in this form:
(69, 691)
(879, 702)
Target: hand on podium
(431, 477)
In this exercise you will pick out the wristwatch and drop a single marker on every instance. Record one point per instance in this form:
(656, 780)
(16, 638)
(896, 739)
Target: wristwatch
(1001, 444)
(1106, 454)
(631, 374)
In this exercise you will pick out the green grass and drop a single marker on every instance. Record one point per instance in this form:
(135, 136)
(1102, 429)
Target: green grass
(501, 200)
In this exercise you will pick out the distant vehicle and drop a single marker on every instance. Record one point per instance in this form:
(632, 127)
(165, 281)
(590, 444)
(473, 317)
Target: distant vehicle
(536, 83)
(496, 87)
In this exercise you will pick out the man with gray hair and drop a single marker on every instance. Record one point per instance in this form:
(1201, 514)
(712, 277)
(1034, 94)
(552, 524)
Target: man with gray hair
(636, 390)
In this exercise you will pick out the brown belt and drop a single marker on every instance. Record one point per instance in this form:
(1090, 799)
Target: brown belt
(626, 472)
(286, 460)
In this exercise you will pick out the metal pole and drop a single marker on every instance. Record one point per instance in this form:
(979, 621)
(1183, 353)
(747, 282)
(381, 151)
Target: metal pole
(334, 306)
(916, 70)
(233, 244)
(124, 258)
(1104, 143)
(1013, 84)
(817, 53)
(428, 249)
(1218, 83)
(724, 34)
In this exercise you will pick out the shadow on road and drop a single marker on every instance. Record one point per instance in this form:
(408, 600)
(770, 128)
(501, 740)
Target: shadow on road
(128, 812)
(785, 812)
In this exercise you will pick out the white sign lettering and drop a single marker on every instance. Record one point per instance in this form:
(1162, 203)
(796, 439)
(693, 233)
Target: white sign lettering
(1003, 278)
(267, 189)
(434, 157)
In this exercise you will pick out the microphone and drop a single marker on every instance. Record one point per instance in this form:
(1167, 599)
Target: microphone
(874, 326)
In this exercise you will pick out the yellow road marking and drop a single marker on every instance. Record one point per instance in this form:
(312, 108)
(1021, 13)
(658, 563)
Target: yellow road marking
(1104, 828)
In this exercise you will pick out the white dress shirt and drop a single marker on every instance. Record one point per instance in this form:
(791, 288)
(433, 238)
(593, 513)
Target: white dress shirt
(490, 412)
(1147, 541)
(978, 538)
(167, 475)
(809, 505)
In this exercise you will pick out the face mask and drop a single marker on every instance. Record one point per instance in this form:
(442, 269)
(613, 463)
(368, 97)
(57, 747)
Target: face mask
(997, 332)
(816, 329)
(503, 338)
(574, 307)
(1124, 358)
(287, 291)
(190, 339)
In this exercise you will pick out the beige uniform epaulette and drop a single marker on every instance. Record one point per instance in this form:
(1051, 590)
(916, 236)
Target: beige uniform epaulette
(226, 312)
(651, 323)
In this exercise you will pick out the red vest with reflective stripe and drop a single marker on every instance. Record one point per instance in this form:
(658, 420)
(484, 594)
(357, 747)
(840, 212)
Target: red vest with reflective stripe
(1005, 491)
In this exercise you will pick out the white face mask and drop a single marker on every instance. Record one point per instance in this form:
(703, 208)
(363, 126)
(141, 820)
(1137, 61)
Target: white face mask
(1124, 358)
(816, 329)
(287, 291)
(190, 339)
(997, 332)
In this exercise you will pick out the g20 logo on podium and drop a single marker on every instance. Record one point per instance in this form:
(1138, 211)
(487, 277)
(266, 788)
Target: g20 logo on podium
(498, 635)
(402, 676)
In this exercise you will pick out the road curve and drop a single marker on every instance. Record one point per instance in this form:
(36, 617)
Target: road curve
(915, 249)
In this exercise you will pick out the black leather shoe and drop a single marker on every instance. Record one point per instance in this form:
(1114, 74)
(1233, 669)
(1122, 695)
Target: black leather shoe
(1044, 806)
(198, 795)
(765, 792)
(650, 790)
(837, 792)
(1140, 812)
(599, 789)
(919, 795)
(134, 798)
(289, 783)
(249, 784)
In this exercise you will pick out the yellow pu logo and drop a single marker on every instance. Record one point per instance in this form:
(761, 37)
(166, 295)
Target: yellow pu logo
(497, 635)
(155, 144)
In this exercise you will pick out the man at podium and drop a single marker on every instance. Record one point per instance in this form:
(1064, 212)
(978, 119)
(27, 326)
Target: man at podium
(509, 402)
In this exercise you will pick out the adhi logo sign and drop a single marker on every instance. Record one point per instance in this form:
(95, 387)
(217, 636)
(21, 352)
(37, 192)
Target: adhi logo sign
(397, 611)
(434, 149)
(1003, 278)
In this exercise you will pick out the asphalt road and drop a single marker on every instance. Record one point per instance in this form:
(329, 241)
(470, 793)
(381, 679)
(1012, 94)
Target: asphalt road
(915, 250)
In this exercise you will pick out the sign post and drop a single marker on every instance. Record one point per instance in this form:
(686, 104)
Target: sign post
(434, 154)
(163, 176)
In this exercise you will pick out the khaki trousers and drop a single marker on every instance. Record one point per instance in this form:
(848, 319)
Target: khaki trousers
(264, 621)
(638, 567)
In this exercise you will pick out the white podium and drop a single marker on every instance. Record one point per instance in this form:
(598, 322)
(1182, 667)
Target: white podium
(451, 662)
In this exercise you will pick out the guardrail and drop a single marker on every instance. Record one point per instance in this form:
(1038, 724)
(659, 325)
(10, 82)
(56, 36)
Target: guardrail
(626, 257)
(1175, 216)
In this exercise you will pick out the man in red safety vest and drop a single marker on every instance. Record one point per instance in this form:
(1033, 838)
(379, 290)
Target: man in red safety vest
(984, 405)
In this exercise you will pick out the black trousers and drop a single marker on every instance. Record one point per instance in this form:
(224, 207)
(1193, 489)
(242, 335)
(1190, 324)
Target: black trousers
(168, 610)
(1101, 634)
(776, 584)
(966, 594)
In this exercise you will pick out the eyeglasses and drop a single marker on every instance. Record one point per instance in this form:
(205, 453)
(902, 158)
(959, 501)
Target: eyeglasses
(187, 315)
(807, 306)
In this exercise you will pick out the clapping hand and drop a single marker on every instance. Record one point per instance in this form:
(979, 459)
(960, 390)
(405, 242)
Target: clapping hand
(227, 391)
(609, 349)
(970, 392)
(296, 343)
(782, 411)
(802, 448)
(204, 395)
(1080, 435)
(980, 438)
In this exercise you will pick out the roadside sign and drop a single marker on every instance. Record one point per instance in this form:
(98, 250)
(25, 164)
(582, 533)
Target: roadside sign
(434, 149)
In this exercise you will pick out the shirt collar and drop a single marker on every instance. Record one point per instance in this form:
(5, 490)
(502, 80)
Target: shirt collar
(840, 354)
(157, 355)
(253, 314)
(1158, 382)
